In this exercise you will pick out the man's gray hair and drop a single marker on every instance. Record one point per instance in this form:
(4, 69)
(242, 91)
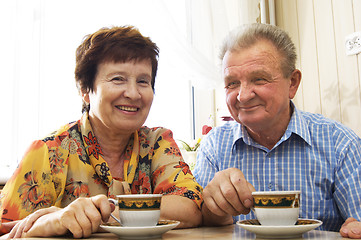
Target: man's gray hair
(247, 35)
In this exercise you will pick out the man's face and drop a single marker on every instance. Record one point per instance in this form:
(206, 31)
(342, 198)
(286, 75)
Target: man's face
(257, 93)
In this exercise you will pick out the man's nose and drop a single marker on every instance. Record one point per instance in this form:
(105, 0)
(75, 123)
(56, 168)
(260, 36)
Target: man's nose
(246, 92)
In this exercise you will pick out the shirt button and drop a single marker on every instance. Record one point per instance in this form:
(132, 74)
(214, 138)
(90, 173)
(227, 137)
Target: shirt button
(270, 185)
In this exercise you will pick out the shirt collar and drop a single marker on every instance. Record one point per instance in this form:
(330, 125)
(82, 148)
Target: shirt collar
(298, 126)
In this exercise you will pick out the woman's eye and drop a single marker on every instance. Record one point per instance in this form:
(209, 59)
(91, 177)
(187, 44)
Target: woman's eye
(144, 81)
(233, 85)
(118, 79)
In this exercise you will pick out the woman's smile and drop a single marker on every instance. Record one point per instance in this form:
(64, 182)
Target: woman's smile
(127, 108)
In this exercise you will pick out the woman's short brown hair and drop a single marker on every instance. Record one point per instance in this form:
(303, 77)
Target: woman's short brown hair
(115, 44)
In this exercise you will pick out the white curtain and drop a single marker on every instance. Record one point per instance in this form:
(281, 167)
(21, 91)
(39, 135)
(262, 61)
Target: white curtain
(38, 43)
(209, 22)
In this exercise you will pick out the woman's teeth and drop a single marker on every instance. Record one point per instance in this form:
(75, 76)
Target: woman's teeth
(129, 109)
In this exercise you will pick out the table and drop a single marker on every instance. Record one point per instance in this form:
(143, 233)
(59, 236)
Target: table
(226, 232)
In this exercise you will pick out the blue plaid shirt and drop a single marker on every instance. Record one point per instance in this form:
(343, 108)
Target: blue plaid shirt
(316, 155)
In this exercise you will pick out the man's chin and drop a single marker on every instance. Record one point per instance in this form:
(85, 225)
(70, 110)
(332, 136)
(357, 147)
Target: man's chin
(251, 123)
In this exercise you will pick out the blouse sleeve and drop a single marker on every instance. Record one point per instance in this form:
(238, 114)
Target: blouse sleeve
(171, 174)
(30, 187)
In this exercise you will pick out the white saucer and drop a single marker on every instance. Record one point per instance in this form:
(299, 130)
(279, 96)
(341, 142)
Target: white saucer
(140, 232)
(293, 231)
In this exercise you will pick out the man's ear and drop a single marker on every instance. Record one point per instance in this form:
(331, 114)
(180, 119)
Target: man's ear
(295, 81)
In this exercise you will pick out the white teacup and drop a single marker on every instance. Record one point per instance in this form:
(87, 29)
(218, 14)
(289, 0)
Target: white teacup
(138, 210)
(277, 208)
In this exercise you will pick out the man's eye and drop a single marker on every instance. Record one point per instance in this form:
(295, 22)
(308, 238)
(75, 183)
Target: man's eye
(233, 85)
(260, 81)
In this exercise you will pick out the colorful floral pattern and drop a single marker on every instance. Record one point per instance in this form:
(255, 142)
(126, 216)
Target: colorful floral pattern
(69, 164)
(75, 189)
(93, 145)
(32, 197)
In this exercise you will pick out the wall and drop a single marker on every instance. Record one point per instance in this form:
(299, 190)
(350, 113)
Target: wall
(331, 79)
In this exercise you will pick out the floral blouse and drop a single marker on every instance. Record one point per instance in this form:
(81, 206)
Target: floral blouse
(68, 164)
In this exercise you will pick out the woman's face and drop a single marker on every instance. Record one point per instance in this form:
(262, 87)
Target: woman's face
(122, 96)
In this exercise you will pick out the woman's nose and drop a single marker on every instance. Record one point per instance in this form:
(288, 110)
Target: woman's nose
(132, 91)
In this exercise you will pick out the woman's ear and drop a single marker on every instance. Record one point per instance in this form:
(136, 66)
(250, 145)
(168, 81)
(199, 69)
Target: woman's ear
(85, 96)
(295, 81)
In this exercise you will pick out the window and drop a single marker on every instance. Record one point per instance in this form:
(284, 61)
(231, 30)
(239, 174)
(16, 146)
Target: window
(38, 59)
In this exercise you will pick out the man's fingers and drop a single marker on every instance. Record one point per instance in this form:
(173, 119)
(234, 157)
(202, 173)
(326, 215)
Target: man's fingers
(348, 220)
(218, 204)
(229, 192)
(229, 200)
(243, 191)
(213, 207)
(351, 229)
(224, 194)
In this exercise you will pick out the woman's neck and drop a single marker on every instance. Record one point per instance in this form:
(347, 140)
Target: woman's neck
(113, 144)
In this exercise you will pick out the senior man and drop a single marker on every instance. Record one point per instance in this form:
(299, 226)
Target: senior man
(272, 145)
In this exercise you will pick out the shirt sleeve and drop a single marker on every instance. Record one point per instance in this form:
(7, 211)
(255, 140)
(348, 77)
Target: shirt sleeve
(206, 166)
(171, 174)
(347, 192)
(30, 187)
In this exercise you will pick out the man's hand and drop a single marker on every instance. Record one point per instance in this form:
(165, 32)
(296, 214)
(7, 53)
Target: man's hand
(351, 228)
(228, 194)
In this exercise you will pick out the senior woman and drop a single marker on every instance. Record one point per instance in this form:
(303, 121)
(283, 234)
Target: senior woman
(63, 182)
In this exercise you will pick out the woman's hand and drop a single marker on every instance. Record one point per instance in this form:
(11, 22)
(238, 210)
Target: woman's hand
(22, 226)
(81, 218)
(351, 228)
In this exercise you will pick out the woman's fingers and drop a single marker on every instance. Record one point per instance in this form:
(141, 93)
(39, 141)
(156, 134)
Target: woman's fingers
(101, 202)
(36, 215)
(17, 230)
(76, 223)
(25, 224)
(83, 216)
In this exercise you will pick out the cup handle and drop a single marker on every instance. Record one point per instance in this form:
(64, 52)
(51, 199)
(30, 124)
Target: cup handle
(116, 204)
(113, 201)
